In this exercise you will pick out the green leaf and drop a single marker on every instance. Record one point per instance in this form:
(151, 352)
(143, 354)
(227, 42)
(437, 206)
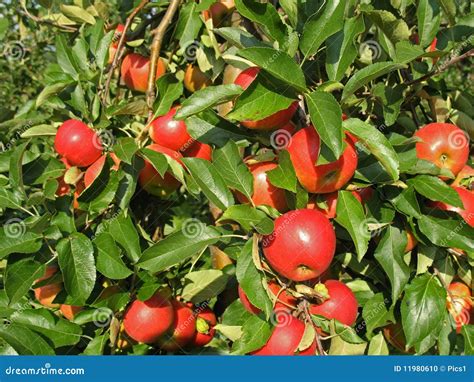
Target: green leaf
(211, 129)
(251, 279)
(341, 347)
(423, 307)
(77, 13)
(96, 346)
(434, 188)
(109, 260)
(405, 201)
(341, 49)
(447, 233)
(260, 100)
(102, 53)
(20, 276)
(40, 130)
(405, 52)
(206, 98)
(124, 233)
(51, 90)
(234, 171)
(266, 15)
(375, 313)
(65, 57)
(15, 239)
(203, 285)
(389, 254)
(350, 214)
(449, 8)
(283, 176)
(467, 332)
(178, 247)
(16, 173)
(376, 143)
(169, 90)
(249, 218)
(24, 340)
(239, 37)
(188, 25)
(378, 346)
(367, 74)
(322, 25)
(326, 116)
(76, 260)
(393, 29)
(125, 148)
(429, 18)
(210, 181)
(255, 334)
(278, 63)
(61, 332)
(391, 100)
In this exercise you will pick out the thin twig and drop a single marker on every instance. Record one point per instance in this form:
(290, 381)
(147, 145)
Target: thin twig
(443, 67)
(158, 35)
(39, 20)
(119, 51)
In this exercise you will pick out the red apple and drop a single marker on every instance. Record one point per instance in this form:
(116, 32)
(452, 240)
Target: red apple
(69, 311)
(135, 69)
(320, 179)
(443, 144)
(467, 198)
(146, 321)
(77, 143)
(282, 298)
(459, 304)
(195, 79)
(152, 182)
(465, 178)
(183, 329)
(301, 246)
(341, 304)
(329, 203)
(286, 338)
(273, 121)
(94, 170)
(205, 322)
(264, 193)
(47, 293)
(170, 133)
(411, 241)
(198, 150)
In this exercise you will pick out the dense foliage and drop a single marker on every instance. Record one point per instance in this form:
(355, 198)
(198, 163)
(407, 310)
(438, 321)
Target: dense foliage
(324, 200)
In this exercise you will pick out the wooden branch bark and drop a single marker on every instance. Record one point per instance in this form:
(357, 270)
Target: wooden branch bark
(158, 35)
(120, 51)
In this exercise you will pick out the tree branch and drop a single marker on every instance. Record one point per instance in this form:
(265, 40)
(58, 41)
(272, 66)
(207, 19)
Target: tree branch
(158, 33)
(39, 20)
(120, 51)
(443, 67)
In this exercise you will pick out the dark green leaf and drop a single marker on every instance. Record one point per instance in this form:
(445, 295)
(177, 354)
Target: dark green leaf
(326, 116)
(206, 98)
(321, 25)
(179, 246)
(350, 214)
(210, 181)
(389, 254)
(423, 308)
(76, 260)
(234, 171)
